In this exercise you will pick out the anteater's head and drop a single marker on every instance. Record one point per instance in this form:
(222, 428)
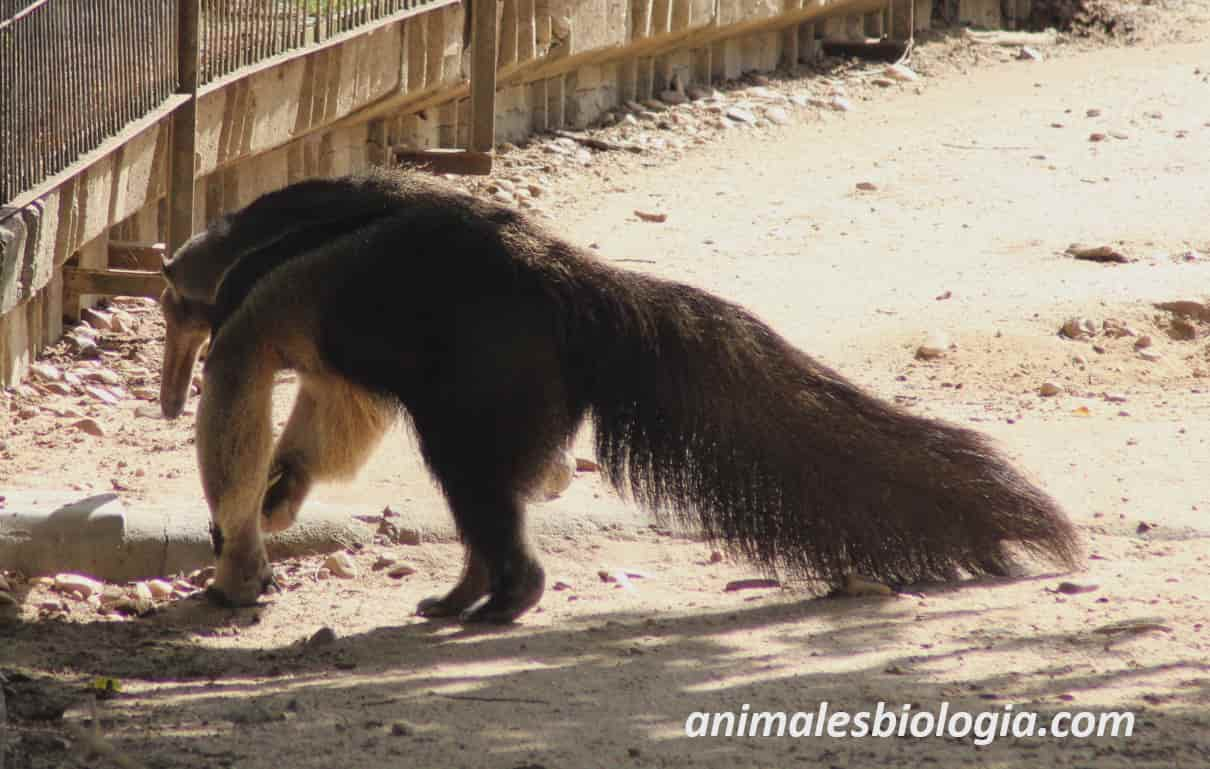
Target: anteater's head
(193, 274)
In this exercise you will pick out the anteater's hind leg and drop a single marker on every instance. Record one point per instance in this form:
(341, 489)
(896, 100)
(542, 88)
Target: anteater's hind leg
(489, 443)
(331, 431)
(474, 584)
(486, 469)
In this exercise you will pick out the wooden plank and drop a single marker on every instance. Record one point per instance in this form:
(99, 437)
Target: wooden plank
(527, 42)
(434, 71)
(483, 76)
(78, 281)
(130, 255)
(184, 129)
(508, 32)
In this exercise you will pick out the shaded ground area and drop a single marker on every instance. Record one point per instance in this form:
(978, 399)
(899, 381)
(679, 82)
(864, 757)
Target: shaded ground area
(982, 174)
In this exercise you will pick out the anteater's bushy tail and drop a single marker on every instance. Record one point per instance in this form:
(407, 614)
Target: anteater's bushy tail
(702, 411)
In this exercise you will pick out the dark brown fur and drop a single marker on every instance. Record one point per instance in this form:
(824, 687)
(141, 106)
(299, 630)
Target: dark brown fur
(498, 338)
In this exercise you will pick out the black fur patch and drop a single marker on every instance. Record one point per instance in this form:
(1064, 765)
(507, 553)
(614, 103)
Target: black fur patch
(216, 539)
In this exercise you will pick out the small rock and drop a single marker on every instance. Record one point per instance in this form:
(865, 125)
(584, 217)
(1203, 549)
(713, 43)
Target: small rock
(97, 319)
(1185, 308)
(388, 530)
(651, 216)
(936, 345)
(133, 606)
(1119, 135)
(1102, 253)
(500, 196)
(841, 104)
(777, 115)
(1182, 330)
(46, 372)
(1116, 328)
(1115, 397)
(1073, 588)
(1029, 54)
(399, 571)
(750, 584)
(673, 97)
(149, 412)
(1150, 356)
(560, 585)
(715, 557)
(77, 584)
(901, 72)
(1078, 328)
(1143, 342)
(1049, 389)
(322, 637)
(1096, 136)
(883, 82)
(536, 190)
(160, 590)
(407, 536)
(101, 394)
(89, 426)
(341, 565)
(400, 729)
(867, 186)
(202, 577)
(655, 105)
(83, 347)
(697, 93)
(323, 573)
(382, 563)
(111, 595)
(1094, 112)
(741, 115)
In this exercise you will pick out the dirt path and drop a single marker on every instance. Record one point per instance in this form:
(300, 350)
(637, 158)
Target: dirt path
(981, 182)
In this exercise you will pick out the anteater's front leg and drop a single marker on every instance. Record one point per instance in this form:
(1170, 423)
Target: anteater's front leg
(234, 443)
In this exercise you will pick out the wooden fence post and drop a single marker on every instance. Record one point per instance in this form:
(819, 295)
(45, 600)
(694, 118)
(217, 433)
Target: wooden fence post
(184, 127)
(483, 76)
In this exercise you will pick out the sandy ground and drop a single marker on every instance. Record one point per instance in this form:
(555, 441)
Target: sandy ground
(983, 174)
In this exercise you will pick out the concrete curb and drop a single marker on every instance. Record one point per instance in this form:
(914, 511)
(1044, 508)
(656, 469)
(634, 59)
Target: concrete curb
(48, 532)
(108, 538)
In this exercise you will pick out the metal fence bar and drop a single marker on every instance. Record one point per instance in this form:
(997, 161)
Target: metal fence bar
(74, 72)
